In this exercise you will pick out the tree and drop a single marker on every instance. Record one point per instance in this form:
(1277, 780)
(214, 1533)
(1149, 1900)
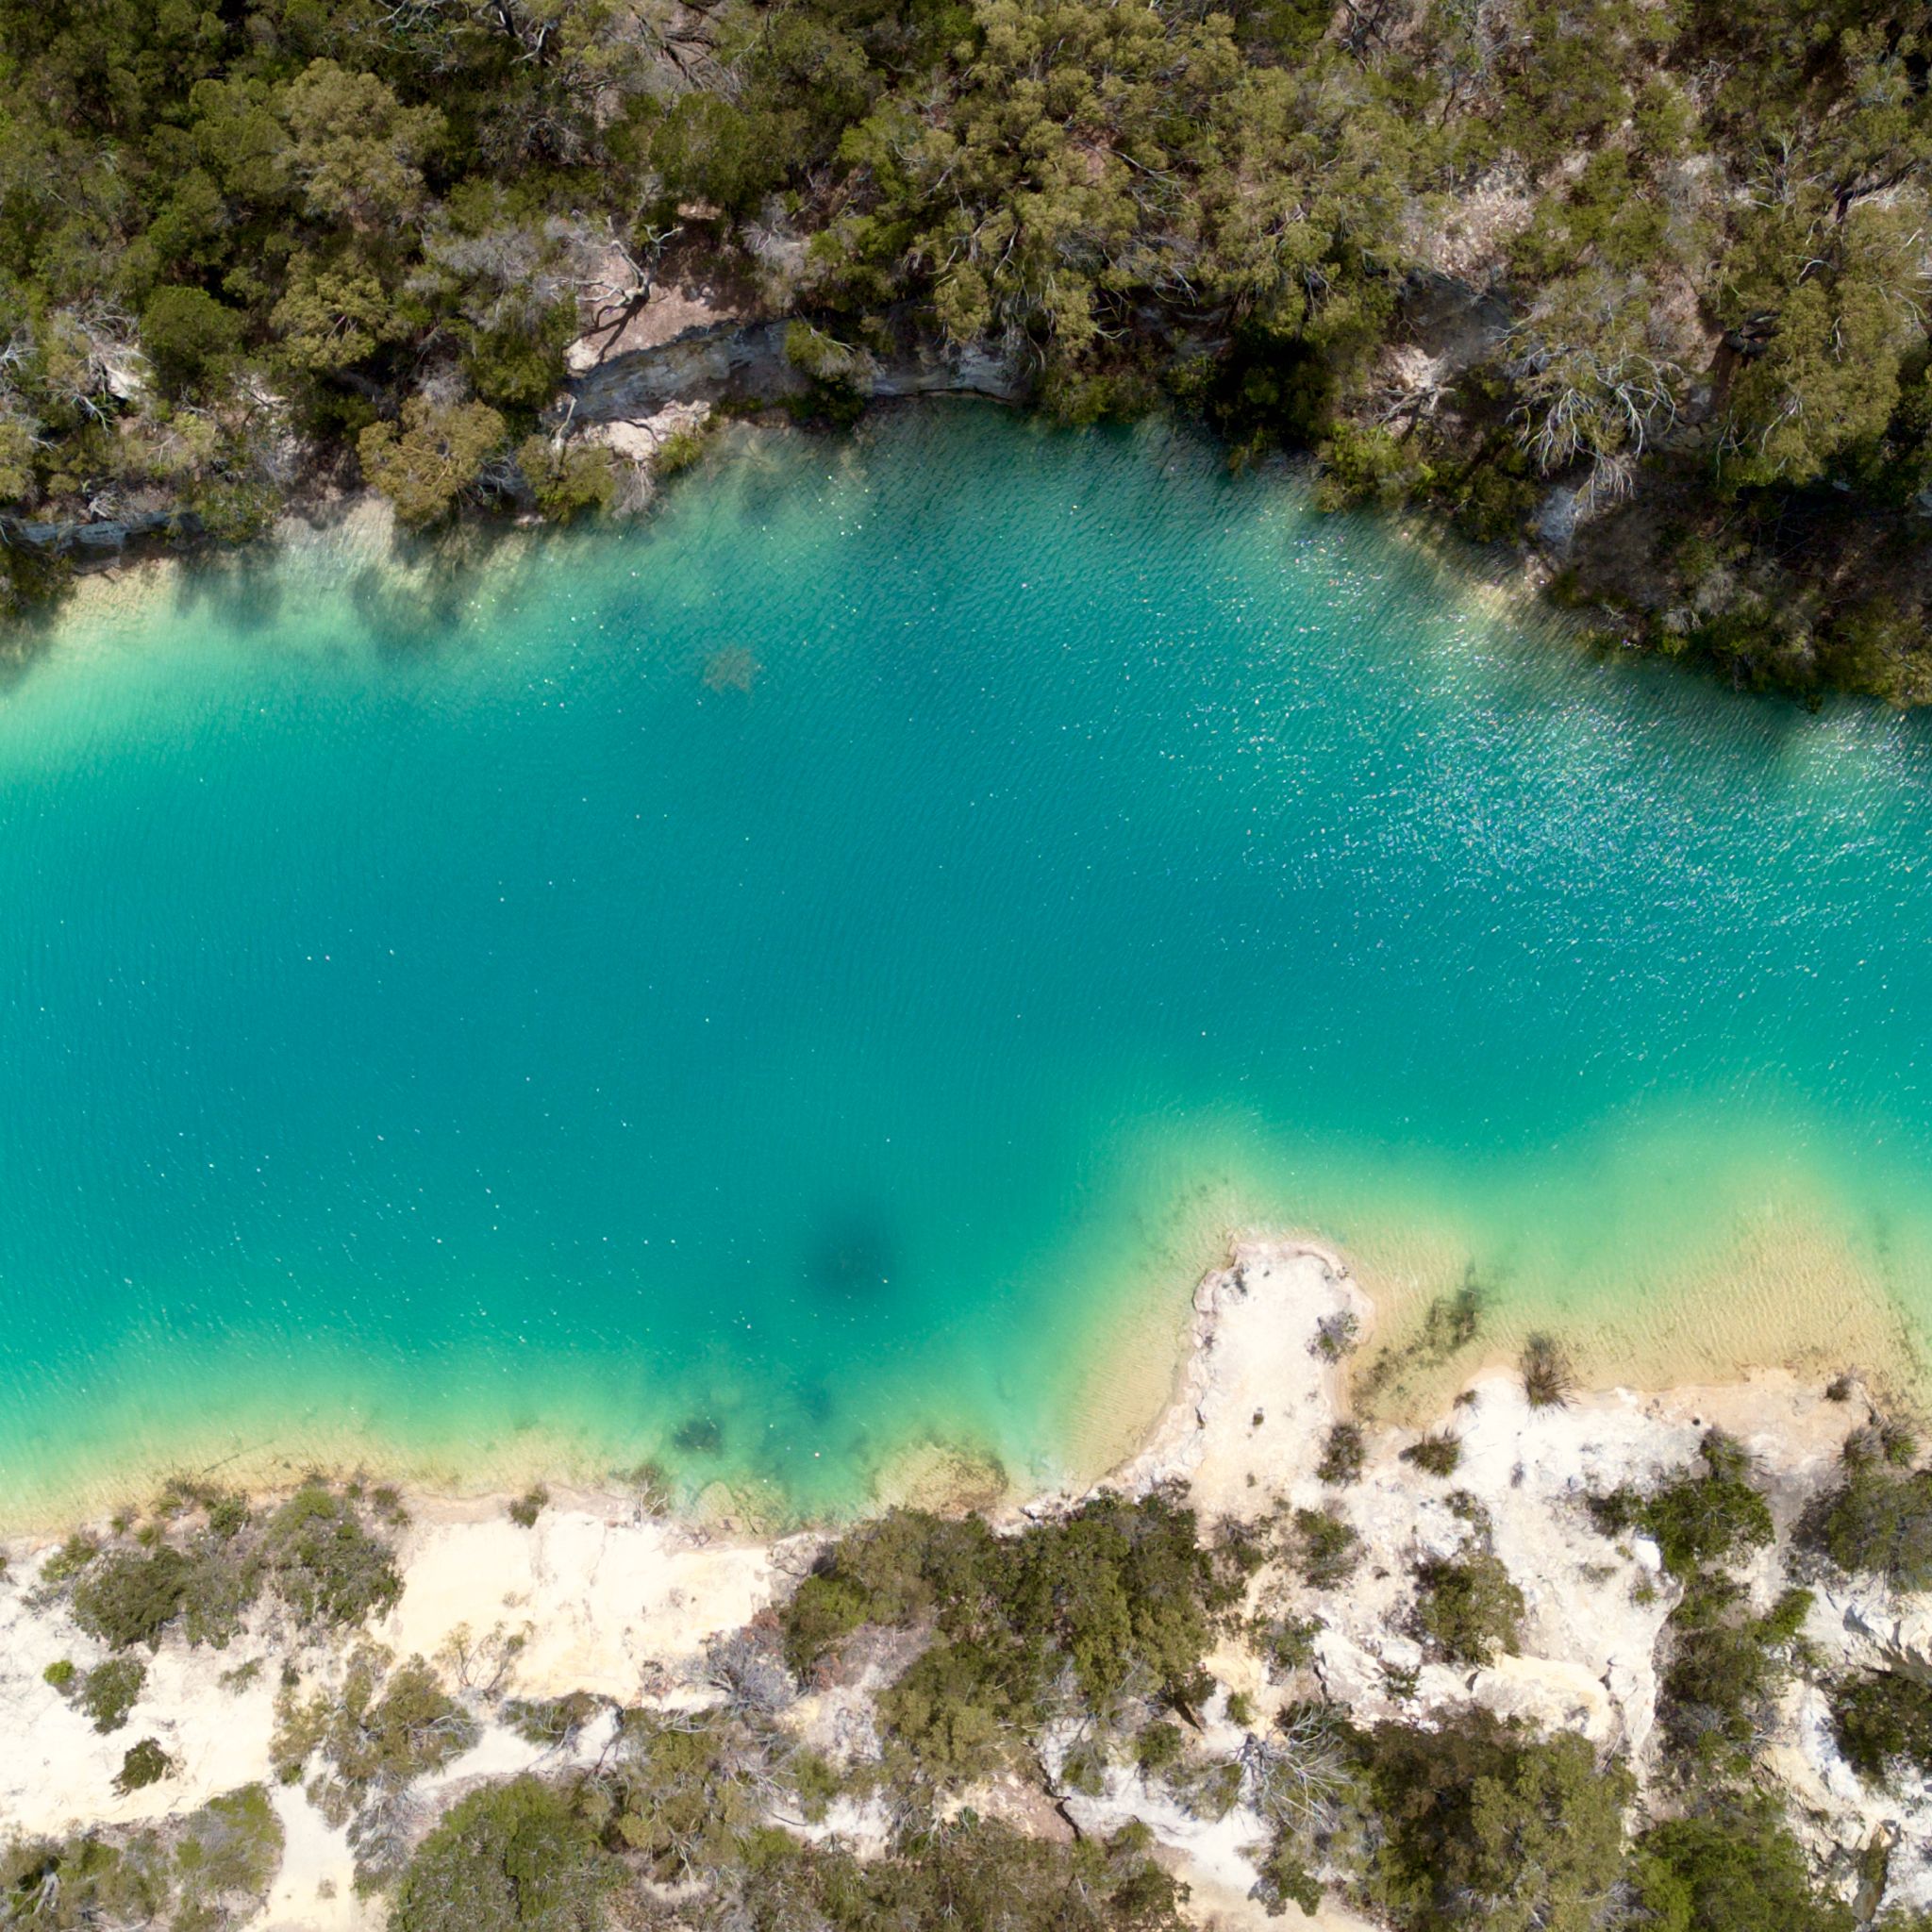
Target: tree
(188, 333)
(1481, 1823)
(426, 467)
(1734, 1868)
(511, 1857)
(331, 319)
(354, 147)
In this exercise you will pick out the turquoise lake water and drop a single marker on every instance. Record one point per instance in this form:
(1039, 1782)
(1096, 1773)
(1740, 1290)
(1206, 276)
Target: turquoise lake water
(811, 972)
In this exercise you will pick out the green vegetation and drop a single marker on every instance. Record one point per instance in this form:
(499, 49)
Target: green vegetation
(1733, 1868)
(1439, 1455)
(204, 1872)
(1113, 1592)
(379, 1732)
(1548, 1379)
(1469, 1608)
(1882, 1719)
(325, 1562)
(1660, 265)
(107, 1692)
(143, 1764)
(1879, 1521)
(1724, 1671)
(1324, 1547)
(1697, 1518)
(202, 1562)
(510, 1856)
(528, 1507)
(1483, 1823)
(1343, 1454)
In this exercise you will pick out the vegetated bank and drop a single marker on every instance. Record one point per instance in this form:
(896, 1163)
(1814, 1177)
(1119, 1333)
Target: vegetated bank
(1564, 1661)
(1637, 286)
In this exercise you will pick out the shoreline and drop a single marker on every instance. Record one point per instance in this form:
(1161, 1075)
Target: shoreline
(602, 1596)
(1141, 1375)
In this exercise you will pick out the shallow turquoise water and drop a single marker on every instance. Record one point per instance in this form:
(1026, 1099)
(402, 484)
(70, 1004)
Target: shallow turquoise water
(760, 988)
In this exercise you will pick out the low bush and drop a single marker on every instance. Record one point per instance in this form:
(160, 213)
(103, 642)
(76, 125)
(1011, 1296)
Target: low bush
(1286, 1643)
(1697, 1517)
(1882, 1719)
(1343, 1454)
(1480, 1823)
(1879, 1521)
(1115, 1590)
(109, 1692)
(1724, 1672)
(1734, 1868)
(511, 1857)
(130, 1598)
(1437, 1454)
(1469, 1608)
(201, 1873)
(326, 1565)
(1548, 1378)
(1324, 1548)
(144, 1764)
(376, 1734)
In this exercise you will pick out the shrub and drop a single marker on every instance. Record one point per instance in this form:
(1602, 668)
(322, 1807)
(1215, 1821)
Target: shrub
(528, 1507)
(375, 1735)
(1336, 1335)
(198, 1875)
(1469, 1608)
(61, 1675)
(127, 1599)
(328, 1567)
(1286, 1643)
(70, 1559)
(1548, 1378)
(1878, 1521)
(144, 1764)
(683, 1793)
(1437, 1454)
(1724, 1671)
(1695, 1518)
(107, 1692)
(1734, 1868)
(1325, 1548)
(188, 333)
(1881, 1718)
(1158, 1749)
(1480, 1824)
(1115, 1589)
(552, 1720)
(425, 466)
(577, 480)
(1343, 1454)
(232, 1846)
(509, 1856)
(677, 452)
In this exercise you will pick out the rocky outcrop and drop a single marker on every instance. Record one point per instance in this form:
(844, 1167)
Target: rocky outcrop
(109, 540)
(748, 363)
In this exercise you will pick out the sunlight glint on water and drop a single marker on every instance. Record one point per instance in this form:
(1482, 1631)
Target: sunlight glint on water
(764, 988)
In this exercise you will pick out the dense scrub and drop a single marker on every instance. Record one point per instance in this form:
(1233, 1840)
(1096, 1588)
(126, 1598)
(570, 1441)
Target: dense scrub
(203, 1558)
(1648, 270)
(201, 1873)
(1073, 1659)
